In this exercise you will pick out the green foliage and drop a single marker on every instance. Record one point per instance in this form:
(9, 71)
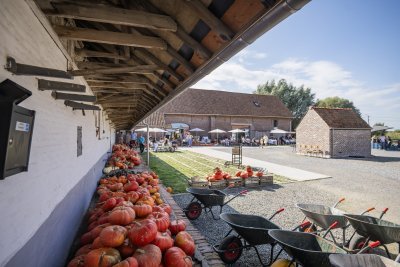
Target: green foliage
(296, 99)
(337, 102)
(395, 135)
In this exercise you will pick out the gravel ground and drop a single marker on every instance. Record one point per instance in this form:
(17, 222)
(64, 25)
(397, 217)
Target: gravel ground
(364, 183)
(262, 202)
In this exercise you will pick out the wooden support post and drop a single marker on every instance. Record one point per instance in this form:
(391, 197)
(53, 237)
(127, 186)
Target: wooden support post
(23, 69)
(77, 105)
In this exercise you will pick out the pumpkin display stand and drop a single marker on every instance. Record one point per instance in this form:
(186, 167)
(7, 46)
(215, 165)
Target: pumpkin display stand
(236, 182)
(267, 179)
(251, 181)
(219, 184)
(197, 182)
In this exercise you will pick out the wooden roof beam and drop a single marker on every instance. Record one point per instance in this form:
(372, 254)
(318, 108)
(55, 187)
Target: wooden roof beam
(113, 15)
(117, 85)
(198, 8)
(93, 53)
(143, 69)
(109, 37)
(119, 79)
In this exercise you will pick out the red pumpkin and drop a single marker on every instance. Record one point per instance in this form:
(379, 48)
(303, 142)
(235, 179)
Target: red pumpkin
(244, 175)
(167, 208)
(84, 250)
(142, 210)
(142, 233)
(163, 241)
(97, 230)
(102, 257)
(161, 219)
(131, 186)
(125, 204)
(97, 243)
(132, 196)
(109, 204)
(259, 174)
(105, 196)
(121, 216)
(176, 257)
(238, 174)
(177, 226)
(92, 225)
(128, 262)
(115, 187)
(78, 261)
(113, 236)
(140, 180)
(126, 249)
(86, 238)
(158, 209)
(148, 256)
(185, 241)
(146, 200)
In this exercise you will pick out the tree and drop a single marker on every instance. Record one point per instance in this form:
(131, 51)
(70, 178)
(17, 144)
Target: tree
(296, 99)
(337, 102)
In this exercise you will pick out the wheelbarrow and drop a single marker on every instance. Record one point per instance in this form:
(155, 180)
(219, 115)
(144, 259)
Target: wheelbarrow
(361, 260)
(322, 217)
(309, 249)
(375, 229)
(251, 231)
(206, 199)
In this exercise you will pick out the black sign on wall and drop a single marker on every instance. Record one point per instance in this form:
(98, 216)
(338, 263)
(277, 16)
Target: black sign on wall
(79, 141)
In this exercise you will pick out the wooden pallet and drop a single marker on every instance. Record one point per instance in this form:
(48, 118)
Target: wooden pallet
(236, 182)
(267, 179)
(196, 182)
(251, 182)
(217, 184)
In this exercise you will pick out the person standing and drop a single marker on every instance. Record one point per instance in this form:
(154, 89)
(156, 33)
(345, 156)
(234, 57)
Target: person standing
(128, 138)
(134, 139)
(382, 138)
(189, 139)
(141, 141)
(262, 144)
(265, 137)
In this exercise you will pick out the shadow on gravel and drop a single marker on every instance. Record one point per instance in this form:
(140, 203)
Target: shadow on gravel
(377, 159)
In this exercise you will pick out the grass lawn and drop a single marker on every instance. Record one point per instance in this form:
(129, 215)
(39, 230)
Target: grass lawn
(175, 168)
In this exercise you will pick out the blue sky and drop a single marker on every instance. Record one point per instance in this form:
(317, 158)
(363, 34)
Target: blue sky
(346, 48)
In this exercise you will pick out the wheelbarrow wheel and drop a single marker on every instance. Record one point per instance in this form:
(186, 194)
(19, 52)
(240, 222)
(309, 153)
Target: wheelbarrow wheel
(193, 210)
(357, 242)
(231, 249)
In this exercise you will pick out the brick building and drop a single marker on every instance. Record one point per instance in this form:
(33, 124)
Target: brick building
(211, 109)
(333, 132)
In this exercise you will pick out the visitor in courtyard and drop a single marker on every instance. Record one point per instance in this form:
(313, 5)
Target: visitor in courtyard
(382, 140)
(189, 139)
(265, 140)
(120, 138)
(128, 138)
(134, 139)
(141, 141)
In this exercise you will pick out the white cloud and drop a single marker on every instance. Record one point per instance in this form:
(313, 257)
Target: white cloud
(325, 78)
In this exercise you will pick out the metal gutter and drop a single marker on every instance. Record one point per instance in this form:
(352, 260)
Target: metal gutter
(267, 21)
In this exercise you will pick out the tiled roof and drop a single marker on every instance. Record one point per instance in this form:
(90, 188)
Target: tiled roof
(156, 119)
(212, 102)
(341, 118)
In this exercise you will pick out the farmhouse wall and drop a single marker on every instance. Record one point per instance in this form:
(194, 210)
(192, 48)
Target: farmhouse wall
(313, 130)
(355, 143)
(41, 209)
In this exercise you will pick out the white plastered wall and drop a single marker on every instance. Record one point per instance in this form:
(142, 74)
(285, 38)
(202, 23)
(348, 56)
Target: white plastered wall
(28, 198)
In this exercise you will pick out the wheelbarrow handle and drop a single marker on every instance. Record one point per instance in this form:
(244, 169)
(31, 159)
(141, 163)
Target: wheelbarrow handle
(276, 212)
(339, 201)
(370, 245)
(332, 226)
(235, 196)
(383, 212)
(368, 210)
(302, 225)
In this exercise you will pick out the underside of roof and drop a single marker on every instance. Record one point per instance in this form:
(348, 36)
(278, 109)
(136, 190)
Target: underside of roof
(136, 55)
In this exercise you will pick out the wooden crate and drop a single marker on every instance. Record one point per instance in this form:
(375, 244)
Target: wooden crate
(197, 182)
(236, 181)
(217, 184)
(251, 182)
(267, 179)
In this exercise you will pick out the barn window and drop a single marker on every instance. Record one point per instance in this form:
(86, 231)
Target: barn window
(275, 123)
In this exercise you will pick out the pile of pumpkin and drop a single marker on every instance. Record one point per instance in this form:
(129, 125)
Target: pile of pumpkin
(248, 173)
(220, 175)
(123, 157)
(131, 226)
